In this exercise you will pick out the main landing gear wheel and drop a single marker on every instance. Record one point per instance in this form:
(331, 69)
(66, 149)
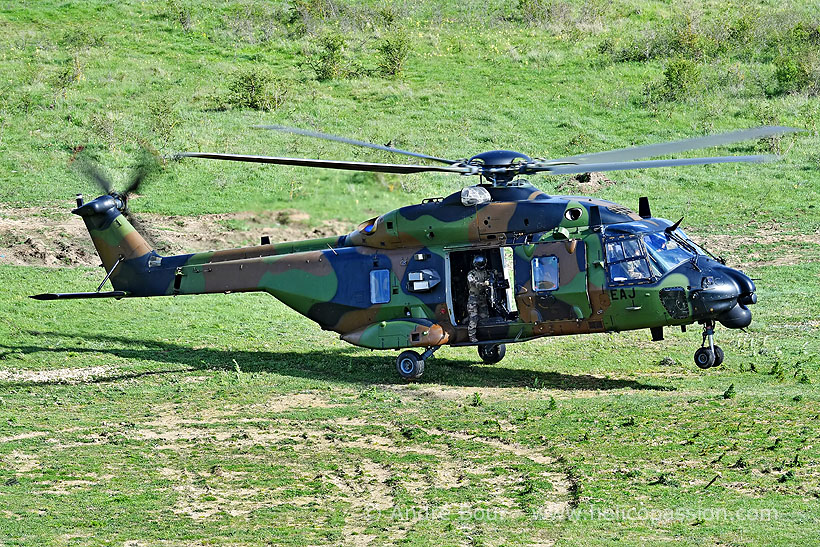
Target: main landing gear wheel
(410, 365)
(491, 353)
(704, 358)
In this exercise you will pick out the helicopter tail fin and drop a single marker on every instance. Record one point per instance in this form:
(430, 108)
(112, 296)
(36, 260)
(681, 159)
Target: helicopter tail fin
(123, 251)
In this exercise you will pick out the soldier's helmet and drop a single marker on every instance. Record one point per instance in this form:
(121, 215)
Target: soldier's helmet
(479, 262)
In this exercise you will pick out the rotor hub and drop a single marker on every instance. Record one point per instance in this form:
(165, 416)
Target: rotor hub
(499, 166)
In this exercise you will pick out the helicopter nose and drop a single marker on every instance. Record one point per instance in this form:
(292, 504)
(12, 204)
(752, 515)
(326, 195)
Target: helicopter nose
(724, 295)
(739, 316)
(747, 287)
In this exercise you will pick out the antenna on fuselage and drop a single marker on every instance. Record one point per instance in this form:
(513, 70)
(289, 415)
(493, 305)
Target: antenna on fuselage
(643, 207)
(595, 217)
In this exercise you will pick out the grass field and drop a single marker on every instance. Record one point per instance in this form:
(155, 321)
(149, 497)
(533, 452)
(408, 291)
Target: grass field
(232, 420)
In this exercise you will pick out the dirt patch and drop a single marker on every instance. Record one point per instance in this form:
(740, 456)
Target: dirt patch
(55, 237)
(585, 183)
(64, 488)
(23, 436)
(366, 481)
(54, 376)
(295, 401)
(21, 462)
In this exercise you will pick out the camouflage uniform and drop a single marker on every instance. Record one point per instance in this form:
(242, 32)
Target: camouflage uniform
(478, 283)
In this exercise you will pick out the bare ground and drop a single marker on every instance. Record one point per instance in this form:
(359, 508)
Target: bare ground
(55, 237)
(364, 486)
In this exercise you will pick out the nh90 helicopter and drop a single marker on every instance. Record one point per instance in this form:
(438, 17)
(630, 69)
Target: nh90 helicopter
(558, 265)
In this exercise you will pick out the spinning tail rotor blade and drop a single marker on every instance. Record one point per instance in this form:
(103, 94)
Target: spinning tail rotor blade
(90, 170)
(567, 169)
(146, 165)
(665, 148)
(331, 164)
(328, 137)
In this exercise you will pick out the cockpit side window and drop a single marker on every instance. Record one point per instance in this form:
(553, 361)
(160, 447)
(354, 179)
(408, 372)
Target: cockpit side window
(626, 261)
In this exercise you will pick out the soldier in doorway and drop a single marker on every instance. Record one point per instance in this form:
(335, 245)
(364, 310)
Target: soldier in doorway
(478, 282)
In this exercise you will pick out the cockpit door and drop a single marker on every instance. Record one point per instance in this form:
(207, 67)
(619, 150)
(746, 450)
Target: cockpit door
(551, 281)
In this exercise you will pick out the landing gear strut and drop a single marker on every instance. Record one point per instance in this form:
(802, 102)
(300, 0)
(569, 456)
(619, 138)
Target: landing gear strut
(709, 354)
(411, 365)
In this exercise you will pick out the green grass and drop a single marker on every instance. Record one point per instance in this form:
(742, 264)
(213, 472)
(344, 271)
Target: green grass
(244, 423)
(477, 78)
(240, 422)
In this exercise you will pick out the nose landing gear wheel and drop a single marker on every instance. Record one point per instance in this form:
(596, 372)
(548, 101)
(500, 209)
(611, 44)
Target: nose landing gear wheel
(705, 358)
(410, 365)
(709, 354)
(491, 353)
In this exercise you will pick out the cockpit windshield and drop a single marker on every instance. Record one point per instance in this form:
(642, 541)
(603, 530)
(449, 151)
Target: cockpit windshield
(665, 252)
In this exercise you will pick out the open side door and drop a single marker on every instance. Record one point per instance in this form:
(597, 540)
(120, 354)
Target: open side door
(551, 281)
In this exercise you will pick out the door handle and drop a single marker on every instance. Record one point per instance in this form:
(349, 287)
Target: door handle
(633, 308)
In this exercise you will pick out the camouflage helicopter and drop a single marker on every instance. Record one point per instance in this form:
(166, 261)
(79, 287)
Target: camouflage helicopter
(558, 265)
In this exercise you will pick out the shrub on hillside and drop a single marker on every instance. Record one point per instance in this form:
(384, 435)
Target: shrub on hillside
(181, 14)
(795, 74)
(393, 53)
(307, 16)
(533, 11)
(325, 57)
(252, 88)
(681, 81)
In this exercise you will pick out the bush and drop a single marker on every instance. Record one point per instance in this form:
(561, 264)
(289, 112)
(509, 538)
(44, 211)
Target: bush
(534, 11)
(791, 74)
(70, 72)
(181, 14)
(681, 77)
(308, 15)
(78, 38)
(315, 9)
(253, 88)
(740, 31)
(327, 56)
(163, 119)
(681, 81)
(806, 33)
(393, 52)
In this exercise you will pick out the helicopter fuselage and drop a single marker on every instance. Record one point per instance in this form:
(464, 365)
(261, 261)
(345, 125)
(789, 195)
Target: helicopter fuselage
(561, 265)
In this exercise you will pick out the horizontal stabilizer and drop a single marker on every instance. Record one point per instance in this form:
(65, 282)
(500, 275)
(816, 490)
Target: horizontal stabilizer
(72, 295)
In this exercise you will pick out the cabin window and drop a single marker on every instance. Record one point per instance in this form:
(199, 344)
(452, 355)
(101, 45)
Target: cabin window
(379, 286)
(545, 273)
(626, 261)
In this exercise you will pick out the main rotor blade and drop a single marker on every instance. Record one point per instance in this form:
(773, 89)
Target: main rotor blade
(625, 165)
(328, 137)
(664, 148)
(331, 164)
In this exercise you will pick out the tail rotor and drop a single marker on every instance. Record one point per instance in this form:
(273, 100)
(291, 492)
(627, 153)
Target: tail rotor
(148, 163)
